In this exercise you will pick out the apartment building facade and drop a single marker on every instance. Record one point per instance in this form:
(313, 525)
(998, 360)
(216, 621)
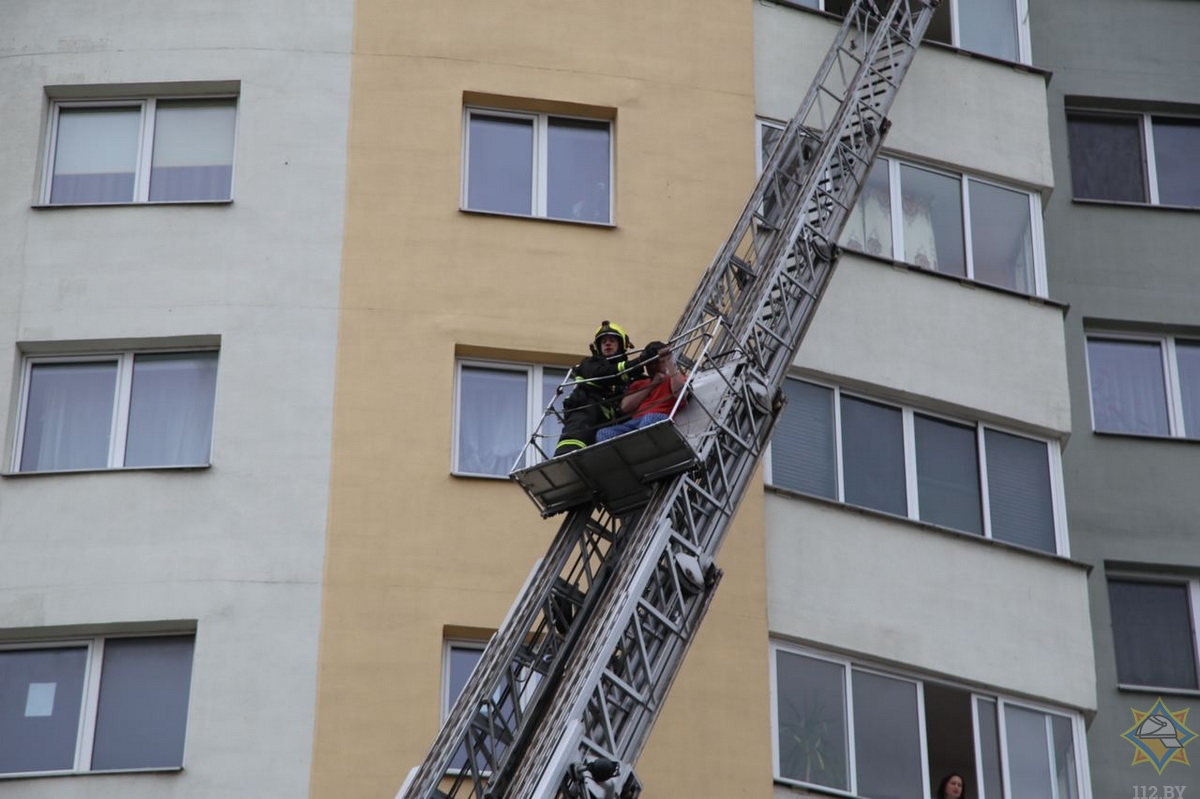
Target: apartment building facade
(906, 594)
(926, 610)
(171, 193)
(1122, 235)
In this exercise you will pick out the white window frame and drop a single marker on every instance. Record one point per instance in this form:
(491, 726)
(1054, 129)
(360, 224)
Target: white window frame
(849, 666)
(541, 162)
(1193, 590)
(1036, 229)
(1020, 10)
(1172, 385)
(907, 415)
(1145, 120)
(148, 108)
(534, 411)
(85, 739)
(121, 405)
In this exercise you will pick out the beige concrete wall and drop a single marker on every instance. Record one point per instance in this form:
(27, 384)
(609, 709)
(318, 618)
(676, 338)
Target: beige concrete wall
(411, 549)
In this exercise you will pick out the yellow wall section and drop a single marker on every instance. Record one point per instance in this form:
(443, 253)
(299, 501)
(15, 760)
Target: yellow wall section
(413, 550)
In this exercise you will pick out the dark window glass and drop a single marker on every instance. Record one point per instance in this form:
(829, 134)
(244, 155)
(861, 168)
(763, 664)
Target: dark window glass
(96, 154)
(989, 27)
(1106, 157)
(948, 474)
(887, 740)
(578, 170)
(933, 220)
(873, 456)
(1177, 160)
(142, 712)
(812, 721)
(802, 451)
(171, 409)
(1152, 634)
(500, 164)
(1188, 355)
(41, 693)
(69, 416)
(193, 150)
(989, 748)
(1019, 495)
(1128, 387)
(1031, 774)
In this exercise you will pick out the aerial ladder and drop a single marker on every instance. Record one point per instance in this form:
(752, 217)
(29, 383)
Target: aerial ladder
(563, 697)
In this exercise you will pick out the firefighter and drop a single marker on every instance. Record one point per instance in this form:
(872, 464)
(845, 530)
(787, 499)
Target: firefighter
(600, 382)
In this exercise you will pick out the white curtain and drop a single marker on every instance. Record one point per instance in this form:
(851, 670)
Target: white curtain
(492, 413)
(1128, 390)
(171, 409)
(68, 416)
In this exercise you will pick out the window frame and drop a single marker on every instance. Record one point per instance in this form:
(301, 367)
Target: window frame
(541, 164)
(119, 425)
(964, 179)
(908, 414)
(1192, 584)
(1149, 161)
(850, 665)
(85, 736)
(148, 110)
(1172, 383)
(534, 411)
(1020, 10)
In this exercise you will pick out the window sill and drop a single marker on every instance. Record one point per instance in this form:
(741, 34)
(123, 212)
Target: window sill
(933, 528)
(583, 222)
(477, 476)
(1117, 434)
(29, 775)
(53, 206)
(1146, 689)
(806, 789)
(1128, 204)
(200, 467)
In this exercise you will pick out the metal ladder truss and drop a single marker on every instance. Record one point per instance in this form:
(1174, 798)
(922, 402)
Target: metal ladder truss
(575, 676)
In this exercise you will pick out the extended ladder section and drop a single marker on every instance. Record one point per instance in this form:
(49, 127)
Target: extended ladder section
(563, 698)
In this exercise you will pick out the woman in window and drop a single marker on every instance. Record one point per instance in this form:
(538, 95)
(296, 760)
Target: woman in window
(951, 787)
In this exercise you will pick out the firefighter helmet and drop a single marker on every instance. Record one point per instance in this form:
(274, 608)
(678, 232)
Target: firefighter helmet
(607, 328)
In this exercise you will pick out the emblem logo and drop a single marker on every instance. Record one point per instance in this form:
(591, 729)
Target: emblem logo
(1159, 736)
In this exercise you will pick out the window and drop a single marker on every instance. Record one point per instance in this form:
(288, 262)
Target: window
(953, 224)
(99, 704)
(1145, 385)
(542, 165)
(136, 151)
(1154, 632)
(1134, 158)
(459, 661)
(142, 409)
(498, 408)
(848, 727)
(961, 475)
(998, 28)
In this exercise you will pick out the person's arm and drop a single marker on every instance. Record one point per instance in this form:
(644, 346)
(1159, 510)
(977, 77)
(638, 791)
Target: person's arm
(676, 376)
(637, 393)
